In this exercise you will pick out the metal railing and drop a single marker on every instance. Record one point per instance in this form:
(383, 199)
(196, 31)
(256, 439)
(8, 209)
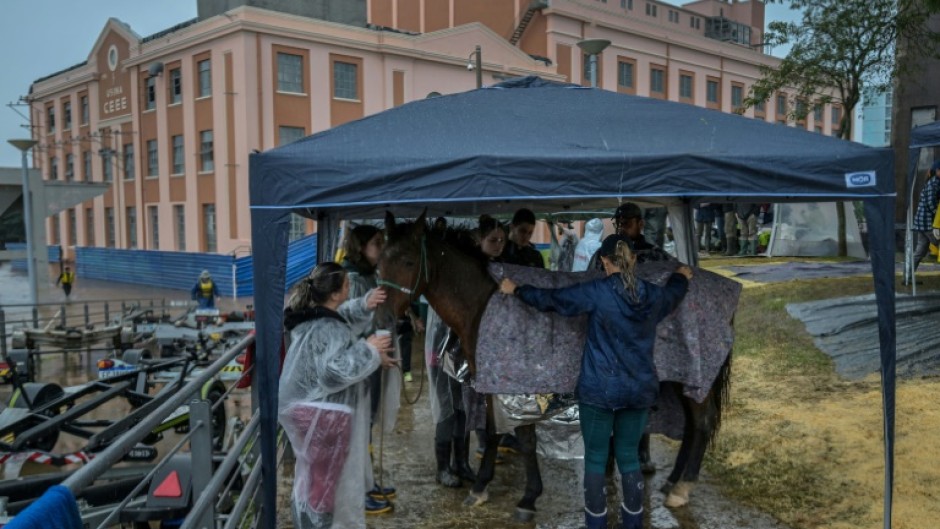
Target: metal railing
(207, 485)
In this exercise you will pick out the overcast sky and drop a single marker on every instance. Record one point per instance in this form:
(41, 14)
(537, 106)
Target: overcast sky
(40, 37)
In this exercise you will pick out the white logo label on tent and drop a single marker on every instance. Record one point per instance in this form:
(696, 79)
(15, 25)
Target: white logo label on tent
(862, 179)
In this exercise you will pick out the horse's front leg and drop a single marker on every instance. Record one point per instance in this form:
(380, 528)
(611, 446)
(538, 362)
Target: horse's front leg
(478, 494)
(700, 422)
(525, 509)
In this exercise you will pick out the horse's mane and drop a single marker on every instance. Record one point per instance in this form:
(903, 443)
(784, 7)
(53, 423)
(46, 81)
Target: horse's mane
(460, 238)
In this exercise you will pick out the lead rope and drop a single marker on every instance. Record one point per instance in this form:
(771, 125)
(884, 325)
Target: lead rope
(422, 264)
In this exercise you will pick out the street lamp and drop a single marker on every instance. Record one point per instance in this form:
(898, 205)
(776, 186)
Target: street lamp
(593, 47)
(24, 146)
(476, 64)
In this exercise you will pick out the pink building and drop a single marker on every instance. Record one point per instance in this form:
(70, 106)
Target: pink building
(170, 119)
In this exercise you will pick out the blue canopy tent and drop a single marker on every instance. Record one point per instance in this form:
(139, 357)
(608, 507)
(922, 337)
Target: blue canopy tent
(923, 136)
(552, 147)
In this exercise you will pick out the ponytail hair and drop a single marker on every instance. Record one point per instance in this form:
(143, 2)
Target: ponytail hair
(618, 251)
(315, 289)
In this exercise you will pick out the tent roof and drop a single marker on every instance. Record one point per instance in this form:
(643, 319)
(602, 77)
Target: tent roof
(556, 146)
(925, 135)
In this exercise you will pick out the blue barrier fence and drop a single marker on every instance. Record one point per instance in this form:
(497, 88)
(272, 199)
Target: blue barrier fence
(55, 254)
(179, 270)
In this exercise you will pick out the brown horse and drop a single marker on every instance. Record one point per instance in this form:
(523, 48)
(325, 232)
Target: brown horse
(451, 273)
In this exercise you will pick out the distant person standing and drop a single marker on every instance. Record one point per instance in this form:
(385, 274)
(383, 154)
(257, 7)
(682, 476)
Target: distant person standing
(66, 279)
(205, 291)
(926, 210)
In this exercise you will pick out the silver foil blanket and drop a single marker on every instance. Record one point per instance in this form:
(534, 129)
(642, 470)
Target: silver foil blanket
(521, 350)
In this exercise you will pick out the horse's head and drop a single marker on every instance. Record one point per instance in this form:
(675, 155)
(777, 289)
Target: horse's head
(403, 265)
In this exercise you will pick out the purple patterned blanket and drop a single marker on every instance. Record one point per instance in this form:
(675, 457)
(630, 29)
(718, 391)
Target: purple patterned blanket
(522, 350)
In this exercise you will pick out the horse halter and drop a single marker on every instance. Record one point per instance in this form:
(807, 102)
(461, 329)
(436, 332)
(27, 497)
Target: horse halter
(422, 265)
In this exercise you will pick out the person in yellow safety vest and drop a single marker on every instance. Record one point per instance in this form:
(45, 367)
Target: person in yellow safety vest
(205, 291)
(66, 279)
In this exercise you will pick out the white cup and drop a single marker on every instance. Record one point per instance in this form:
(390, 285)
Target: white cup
(382, 333)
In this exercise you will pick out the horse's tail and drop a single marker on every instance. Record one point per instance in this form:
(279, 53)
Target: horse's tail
(721, 395)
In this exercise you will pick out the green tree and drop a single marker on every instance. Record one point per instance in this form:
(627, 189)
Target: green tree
(840, 47)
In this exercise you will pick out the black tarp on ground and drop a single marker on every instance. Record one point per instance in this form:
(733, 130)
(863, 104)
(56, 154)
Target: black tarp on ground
(552, 147)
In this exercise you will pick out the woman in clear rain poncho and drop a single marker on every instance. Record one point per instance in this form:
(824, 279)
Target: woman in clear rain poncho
(323, 402)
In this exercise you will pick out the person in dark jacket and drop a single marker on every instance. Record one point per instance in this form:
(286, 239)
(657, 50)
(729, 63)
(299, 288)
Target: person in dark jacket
(519, 249)
(618, 382)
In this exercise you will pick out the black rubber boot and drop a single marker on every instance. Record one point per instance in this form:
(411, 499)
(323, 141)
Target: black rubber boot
(732, 247)
(444, 475)
(461, 459)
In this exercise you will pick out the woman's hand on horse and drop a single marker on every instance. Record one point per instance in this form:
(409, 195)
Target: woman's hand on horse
(506, 286)
(375, 298)
(686, 271)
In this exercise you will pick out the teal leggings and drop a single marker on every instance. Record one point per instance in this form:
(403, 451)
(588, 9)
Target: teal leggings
(597, 424)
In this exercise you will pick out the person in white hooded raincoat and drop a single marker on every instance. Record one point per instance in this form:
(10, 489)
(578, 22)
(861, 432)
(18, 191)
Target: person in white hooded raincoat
(587, 246)
(323, 402)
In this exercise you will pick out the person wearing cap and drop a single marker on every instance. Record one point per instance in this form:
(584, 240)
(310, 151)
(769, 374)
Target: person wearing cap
(926, 210)
(618, 383)
(205, 291)
(628, 220)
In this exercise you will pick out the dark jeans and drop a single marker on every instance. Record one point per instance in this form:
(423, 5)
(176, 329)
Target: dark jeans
(924, 240)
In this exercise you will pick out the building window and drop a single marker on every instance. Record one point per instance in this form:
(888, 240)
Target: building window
(84, 110)
(154, 218)
(50, 120)
(205, 151)
(818, 113)
(625, 76)
(67, 115)
(345, 84)
(179, 162)
(836, 116)
(150, 93)
(657, 81)
(86, 166)
(153, 160)
(650, 9)
(205, 78)
(287, 135)
(129, 161)
(89, 227)
(69, 167)
(713, 93)
(54, 221)
(781, 104)
(290, 73)
(760, 108)
(109, 226)
(176, 86)
(54, 168)
(626, 4)
(106, 162)
(131, 227)
(737, 98)
(73, 229)
(673, 16)
(208, 219)
(298, 227)
(179, 218)
(686, 82)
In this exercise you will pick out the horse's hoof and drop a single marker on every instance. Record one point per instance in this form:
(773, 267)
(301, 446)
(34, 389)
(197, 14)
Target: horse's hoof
(679, 496)
(524, 515)
(475, 500)
(667, 487)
